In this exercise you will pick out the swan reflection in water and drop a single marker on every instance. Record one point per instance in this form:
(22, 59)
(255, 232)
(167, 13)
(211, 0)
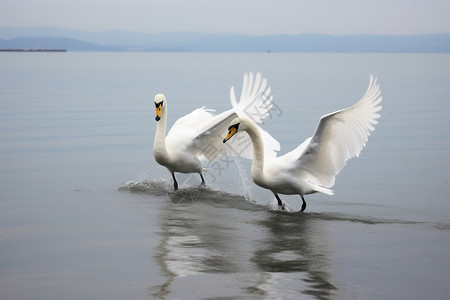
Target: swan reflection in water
(225, 246)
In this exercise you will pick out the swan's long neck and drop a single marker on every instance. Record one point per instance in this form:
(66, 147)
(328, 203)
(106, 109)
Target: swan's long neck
(159, 143)
(258, 151)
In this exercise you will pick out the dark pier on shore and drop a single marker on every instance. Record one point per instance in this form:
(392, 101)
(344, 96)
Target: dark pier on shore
(33, 50)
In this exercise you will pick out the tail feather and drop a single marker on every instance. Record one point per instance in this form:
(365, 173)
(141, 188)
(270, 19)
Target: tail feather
(321, 189)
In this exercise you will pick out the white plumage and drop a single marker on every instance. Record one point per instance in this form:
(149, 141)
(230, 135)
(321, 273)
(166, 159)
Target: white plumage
(198, 136)
(314, 164)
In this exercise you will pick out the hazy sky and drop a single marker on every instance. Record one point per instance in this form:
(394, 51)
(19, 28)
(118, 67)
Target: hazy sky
(258, 17)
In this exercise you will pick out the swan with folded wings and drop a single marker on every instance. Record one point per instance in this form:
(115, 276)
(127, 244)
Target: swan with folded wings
(314, 164)
(198, 136)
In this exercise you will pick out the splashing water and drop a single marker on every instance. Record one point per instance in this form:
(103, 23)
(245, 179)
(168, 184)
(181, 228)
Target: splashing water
(244, 181)
(145, 186)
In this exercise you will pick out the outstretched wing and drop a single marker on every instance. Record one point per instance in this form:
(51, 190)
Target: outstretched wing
(192, 121)
(255, 102)
(339, 136)
(184, 131)
(208, 140)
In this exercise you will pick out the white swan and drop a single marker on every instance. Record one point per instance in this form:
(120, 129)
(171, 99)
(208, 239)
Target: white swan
(198, 135)
(313, 165)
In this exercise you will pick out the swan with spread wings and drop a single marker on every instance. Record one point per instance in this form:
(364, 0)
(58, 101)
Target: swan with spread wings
(314, 164)
(198, 135)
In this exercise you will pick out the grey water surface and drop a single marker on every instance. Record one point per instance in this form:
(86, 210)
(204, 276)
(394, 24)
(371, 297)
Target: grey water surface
(86, 213)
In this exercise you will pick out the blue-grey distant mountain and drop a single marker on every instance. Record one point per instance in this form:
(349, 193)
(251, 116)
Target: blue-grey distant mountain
(75, 40)
(52, 43)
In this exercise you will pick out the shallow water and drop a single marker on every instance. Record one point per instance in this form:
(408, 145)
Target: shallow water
(85, 212)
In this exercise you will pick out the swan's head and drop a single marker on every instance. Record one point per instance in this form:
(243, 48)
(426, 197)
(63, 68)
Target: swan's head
(160, 102)
(234, 128)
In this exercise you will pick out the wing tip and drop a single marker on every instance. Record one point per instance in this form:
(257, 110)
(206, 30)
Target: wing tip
(256, 99)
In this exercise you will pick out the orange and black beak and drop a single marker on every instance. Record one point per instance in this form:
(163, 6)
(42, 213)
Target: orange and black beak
(158, 107)
(231, 131)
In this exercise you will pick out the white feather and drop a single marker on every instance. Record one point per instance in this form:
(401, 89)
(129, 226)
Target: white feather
(340, 136)
(198, 135)
(313, 165)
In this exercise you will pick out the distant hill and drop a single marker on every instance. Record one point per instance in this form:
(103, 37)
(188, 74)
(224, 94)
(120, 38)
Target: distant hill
(52, 43)
(75, 40)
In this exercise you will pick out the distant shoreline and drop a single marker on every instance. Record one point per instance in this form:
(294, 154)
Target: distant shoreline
(33, 50)
(49, 38)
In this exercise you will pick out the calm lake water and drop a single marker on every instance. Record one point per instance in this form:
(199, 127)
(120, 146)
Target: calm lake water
(86, 213)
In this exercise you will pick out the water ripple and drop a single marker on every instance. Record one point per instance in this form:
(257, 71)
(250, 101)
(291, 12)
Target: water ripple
(188, 197)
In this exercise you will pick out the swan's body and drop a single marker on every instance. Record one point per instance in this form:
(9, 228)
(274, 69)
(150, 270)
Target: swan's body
(198, 135)
(313, 165)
